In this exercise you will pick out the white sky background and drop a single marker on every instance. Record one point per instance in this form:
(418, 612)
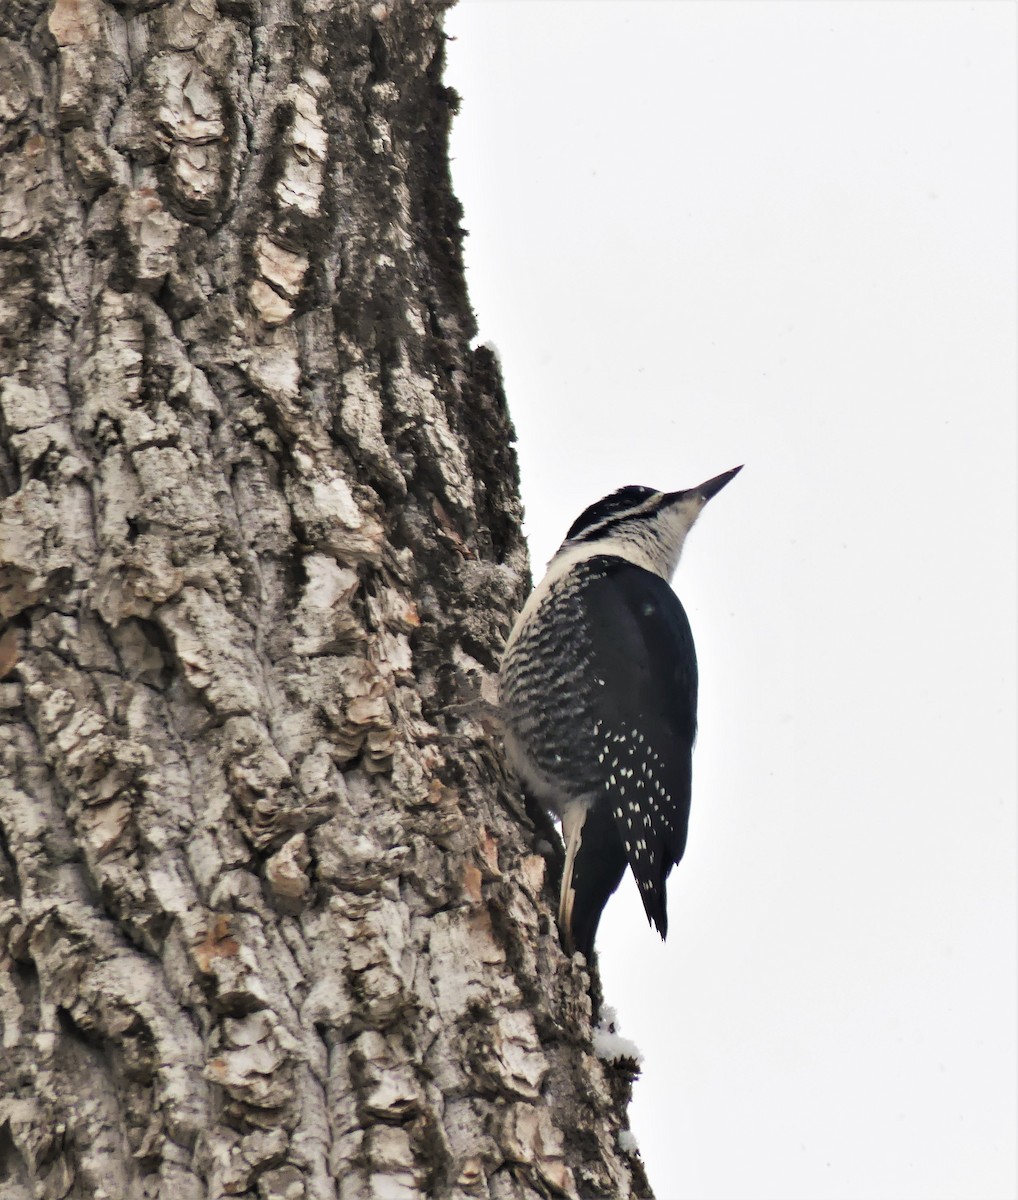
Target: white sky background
(784, 234)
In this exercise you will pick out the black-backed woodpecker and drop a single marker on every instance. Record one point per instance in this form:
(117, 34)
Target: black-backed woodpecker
(598, 688)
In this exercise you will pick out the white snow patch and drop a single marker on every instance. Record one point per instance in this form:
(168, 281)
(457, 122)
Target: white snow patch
(609, 1046)
(627, 1142)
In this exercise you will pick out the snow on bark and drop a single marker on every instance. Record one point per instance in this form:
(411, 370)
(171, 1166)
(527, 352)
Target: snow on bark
(271, 922)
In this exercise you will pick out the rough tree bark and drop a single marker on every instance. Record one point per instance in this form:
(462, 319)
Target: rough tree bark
(271, 918)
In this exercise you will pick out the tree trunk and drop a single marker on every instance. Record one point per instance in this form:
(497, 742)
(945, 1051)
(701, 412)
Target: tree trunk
(272, 919)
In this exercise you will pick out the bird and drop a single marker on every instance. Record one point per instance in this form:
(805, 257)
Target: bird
(598, 691)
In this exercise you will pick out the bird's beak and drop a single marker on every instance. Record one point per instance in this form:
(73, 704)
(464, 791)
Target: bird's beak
(713, 486)
(701, 494)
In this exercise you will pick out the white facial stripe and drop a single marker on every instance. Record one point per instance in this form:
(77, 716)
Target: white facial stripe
(655, 545)
(625, 514)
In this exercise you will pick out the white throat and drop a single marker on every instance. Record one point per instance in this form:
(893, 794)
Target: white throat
(656, 546)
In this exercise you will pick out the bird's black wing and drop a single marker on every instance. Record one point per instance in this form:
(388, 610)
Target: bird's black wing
(643, 721)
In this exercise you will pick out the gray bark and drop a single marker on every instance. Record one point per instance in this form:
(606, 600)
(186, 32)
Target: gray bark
(272, 923)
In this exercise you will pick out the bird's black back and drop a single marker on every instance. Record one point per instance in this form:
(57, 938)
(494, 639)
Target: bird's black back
(625, 742)
(641, 635)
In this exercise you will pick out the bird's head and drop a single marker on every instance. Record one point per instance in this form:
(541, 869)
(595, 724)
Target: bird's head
(642, 525)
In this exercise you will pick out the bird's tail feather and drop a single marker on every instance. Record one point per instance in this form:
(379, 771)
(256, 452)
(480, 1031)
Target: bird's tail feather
(595, 864)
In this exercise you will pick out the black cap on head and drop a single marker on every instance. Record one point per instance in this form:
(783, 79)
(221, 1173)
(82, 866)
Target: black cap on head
(623, 500)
